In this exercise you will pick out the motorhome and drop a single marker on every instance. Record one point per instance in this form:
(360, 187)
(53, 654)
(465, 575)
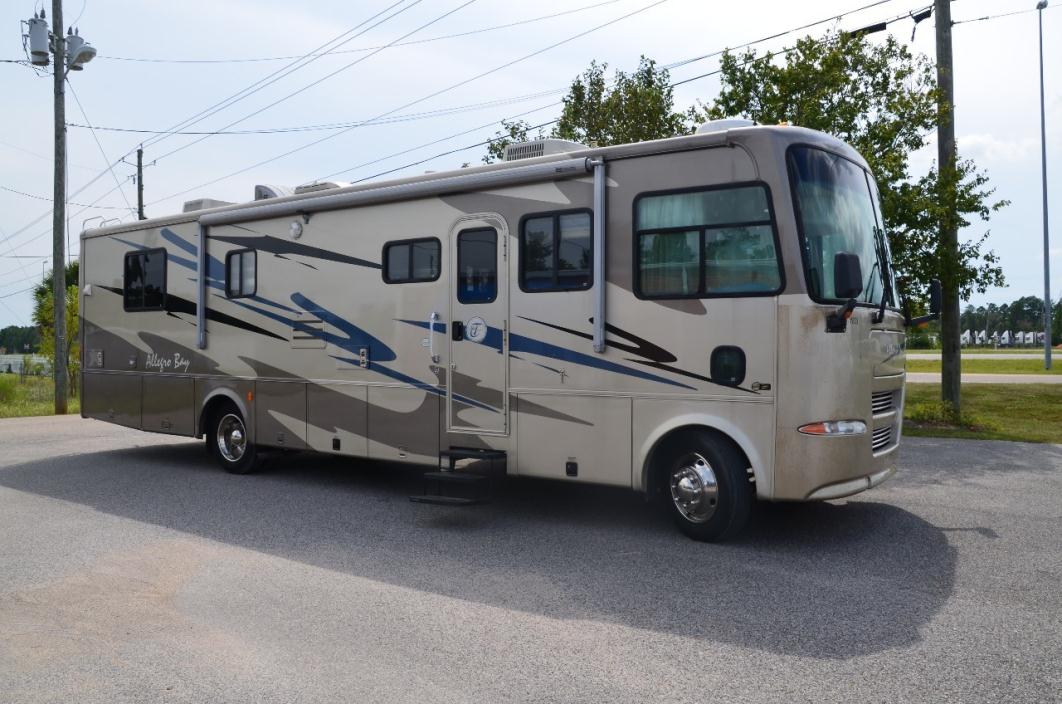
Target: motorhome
(709, 319)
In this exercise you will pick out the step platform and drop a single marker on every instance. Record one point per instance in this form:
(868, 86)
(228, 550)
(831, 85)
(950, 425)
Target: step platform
(450, 487)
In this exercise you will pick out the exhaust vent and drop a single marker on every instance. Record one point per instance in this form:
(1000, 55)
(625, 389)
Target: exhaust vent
(540, 147)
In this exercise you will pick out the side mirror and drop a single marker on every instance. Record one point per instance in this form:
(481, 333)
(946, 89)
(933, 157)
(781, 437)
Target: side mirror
(936, 296)
(847, 275)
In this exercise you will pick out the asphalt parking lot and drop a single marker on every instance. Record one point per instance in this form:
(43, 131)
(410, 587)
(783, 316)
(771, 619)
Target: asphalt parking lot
(133, 570)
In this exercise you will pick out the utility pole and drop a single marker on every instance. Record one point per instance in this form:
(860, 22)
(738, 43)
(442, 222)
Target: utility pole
(1043, 165)
(140, 182)
(59, 209)
(951, 360)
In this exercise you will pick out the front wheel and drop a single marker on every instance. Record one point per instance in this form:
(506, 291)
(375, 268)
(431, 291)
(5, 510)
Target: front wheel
(228, 442)
(705, 486)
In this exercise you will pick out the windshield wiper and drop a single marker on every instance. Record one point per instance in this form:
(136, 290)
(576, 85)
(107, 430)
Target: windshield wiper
(886, 275)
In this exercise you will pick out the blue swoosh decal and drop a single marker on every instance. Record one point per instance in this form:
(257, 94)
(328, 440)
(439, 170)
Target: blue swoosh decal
(521, 343)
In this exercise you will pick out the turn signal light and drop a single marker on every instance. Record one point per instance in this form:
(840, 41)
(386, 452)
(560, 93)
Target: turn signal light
(834, 427)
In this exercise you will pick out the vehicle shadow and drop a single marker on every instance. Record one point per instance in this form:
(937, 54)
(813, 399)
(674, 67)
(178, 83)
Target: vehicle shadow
(830, 581)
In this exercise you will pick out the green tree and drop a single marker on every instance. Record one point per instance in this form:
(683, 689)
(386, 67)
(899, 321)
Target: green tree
(14, 338)
(881, 99)
(1056, 324)
(636, 107)
(44, 318)
(633, 107)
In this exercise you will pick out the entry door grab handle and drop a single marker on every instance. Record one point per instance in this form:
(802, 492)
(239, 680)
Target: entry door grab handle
(432, 319)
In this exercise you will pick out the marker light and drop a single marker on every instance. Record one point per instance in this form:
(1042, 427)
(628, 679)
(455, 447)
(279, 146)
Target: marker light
(834, 428)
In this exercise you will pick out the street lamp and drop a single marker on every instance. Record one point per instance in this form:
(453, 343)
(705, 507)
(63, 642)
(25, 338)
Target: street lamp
(1043, 174)
(71, 54)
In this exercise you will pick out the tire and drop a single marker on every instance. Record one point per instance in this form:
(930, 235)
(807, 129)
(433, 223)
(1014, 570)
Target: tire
(226, 439)
(685, 469)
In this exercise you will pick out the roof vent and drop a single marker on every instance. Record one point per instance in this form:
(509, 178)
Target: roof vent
(540, 147)
(729, 123)
(264, 191)
(320, 186)
(203, 204)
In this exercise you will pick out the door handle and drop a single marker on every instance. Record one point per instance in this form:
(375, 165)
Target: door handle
(432, 319)
(457, 331)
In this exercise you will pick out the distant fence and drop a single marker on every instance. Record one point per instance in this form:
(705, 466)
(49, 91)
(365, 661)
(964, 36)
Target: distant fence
(12, 363)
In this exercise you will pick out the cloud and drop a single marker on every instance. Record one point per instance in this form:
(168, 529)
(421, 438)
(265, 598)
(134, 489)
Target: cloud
(988, 147)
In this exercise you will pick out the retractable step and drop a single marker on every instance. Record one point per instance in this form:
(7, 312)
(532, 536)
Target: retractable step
(452, 487)
(455, 454)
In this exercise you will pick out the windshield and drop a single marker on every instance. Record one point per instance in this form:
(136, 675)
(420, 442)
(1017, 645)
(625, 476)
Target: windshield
(838, 211)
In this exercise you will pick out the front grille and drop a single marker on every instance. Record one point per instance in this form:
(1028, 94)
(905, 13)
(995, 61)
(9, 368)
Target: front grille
(881, 402)
(881, 438)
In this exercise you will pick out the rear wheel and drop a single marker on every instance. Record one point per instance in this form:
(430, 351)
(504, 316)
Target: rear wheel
(704, 485)
(228, 442)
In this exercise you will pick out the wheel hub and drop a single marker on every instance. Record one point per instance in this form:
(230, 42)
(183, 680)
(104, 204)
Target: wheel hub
(694, 488)
(232, 438)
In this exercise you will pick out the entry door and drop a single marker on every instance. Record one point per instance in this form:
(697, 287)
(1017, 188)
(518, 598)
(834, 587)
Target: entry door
(478, 381)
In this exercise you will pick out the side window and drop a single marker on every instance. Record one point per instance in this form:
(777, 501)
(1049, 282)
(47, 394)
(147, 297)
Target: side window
(409, 261)
(709, 242)
(556, 252)
(477, 266)
(144, 280)
(241, 275)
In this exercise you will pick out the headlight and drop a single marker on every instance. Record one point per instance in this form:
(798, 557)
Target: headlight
(834, 428)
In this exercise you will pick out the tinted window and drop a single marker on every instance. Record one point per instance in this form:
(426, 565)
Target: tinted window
(240, 273)
(409, 261)
(477, 266)
(144, 280)
(556, 252)
(712, 242)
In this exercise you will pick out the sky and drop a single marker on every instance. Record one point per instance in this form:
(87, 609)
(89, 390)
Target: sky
(443, 101)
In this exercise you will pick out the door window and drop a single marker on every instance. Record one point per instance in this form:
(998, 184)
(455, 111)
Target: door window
(477, 266)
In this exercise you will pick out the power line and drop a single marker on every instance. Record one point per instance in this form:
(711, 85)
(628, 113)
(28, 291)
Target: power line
(284, 71)
(673, 84)
(369, 48)
(254, 87)
(418, 100)
(1003, 14)
(463, 108)
(406, 117)
(110, 167)
(9, 295)
(45, 198)
(443, 139)
(326, 77)
(346, 127)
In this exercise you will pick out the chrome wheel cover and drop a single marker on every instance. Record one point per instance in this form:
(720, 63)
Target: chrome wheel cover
(694, 488)
(232, 438)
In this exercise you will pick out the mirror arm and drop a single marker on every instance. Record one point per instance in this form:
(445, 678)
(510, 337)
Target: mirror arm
(922, 320)
(837, 321)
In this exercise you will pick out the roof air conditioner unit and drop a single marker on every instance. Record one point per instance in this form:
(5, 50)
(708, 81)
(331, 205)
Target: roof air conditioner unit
(264, 191)
(540, 147)
(203, 204)
(320, 186)
(729, 123)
